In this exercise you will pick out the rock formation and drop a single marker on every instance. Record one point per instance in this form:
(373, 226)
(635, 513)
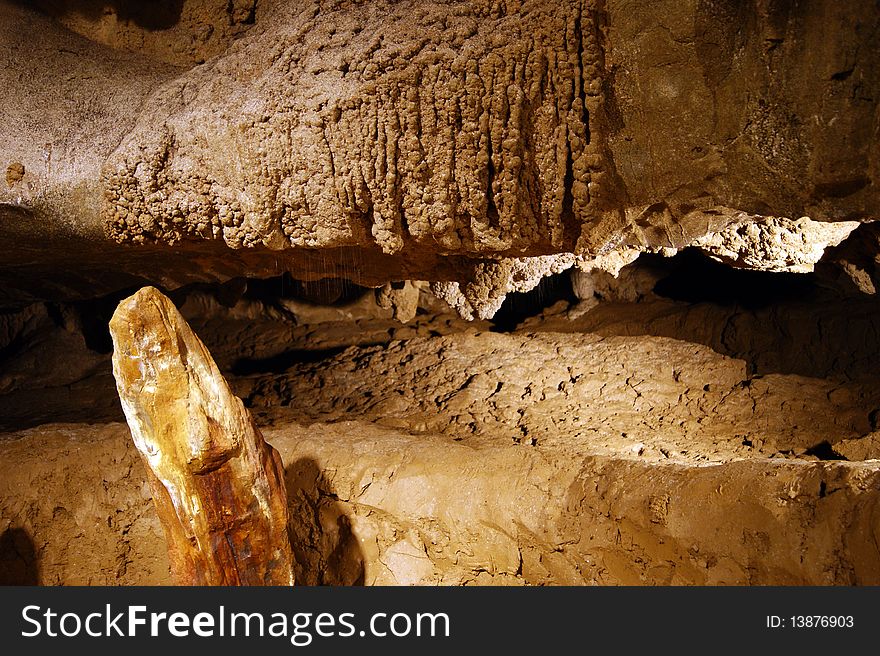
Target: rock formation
(218, 487)
(423, 140)
(524, 291)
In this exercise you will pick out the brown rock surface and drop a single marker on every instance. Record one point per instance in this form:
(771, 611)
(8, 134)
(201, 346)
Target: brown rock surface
(614, 409)
(217, 486)
(469, 456)
(416, 135)
(377, 505)
(654, 397)
(182, 33)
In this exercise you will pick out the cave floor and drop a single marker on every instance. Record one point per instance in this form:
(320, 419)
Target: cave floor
(446, 452)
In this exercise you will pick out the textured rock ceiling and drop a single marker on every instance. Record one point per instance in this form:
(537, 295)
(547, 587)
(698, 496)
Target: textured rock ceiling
(669, 420)
(427, 140)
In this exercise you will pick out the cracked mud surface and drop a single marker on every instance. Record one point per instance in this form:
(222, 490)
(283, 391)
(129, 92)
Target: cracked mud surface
(651, 397)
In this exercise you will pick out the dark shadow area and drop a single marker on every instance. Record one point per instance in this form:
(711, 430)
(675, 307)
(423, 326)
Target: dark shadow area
(93, 401)
(55, 363)
(325, 548)
(90, 317)
(55, 357)
(786, 323)
(18, 558)
(278, 364)
(153, 15)
(824, 451)
(326, 292)
(519, 306)
(790, 323)
(696, 278)
(836, 339)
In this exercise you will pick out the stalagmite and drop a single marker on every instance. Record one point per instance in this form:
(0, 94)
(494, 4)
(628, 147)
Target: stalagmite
(217, 485)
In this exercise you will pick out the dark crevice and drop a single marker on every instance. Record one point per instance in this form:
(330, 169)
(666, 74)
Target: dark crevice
(326, 292)
(19, 563)
(155, 15)
(694, 278)
(585, 114)
(280, 363)
(249, 19)
(519, 306)
(824, 451)
(841, 188)
(492, 214)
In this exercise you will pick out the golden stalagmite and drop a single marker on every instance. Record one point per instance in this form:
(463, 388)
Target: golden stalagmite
(217, 485)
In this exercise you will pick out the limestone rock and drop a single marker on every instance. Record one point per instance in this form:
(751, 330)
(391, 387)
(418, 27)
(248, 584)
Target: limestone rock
(182, 33)
(484, 288)
(458, 126)
(355, 125)
(631, 285)
(402, 298)
(866, 447)
(373, 505)
(775, 244)
(218, 487)
(422, 139)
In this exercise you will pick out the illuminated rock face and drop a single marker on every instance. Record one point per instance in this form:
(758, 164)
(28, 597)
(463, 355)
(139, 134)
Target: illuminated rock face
(560, 169)
(217, 486)
(422, 140)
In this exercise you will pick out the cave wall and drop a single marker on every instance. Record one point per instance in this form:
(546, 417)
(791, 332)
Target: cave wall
(479, 146)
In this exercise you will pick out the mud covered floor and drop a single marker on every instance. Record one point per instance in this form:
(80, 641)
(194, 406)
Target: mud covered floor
(641, 439)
